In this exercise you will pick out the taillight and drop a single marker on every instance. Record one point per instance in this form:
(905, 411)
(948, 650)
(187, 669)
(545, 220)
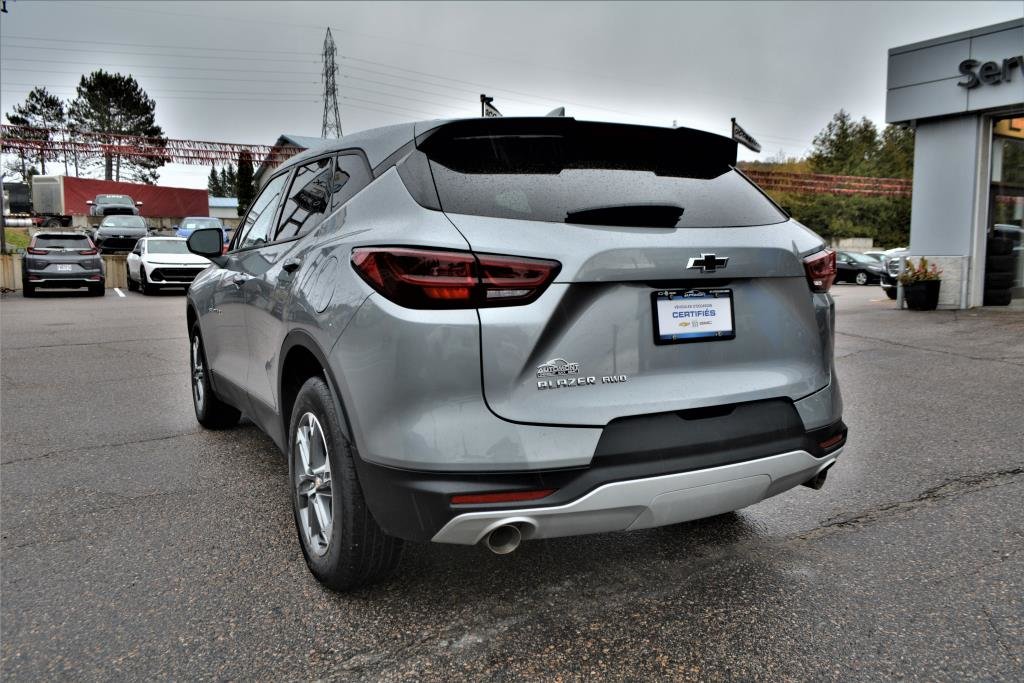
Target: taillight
(37, 252)
(821, 270)
(87, 252)
(434, 278)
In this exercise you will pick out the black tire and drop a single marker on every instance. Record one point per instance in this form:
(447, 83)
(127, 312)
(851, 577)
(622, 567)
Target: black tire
(358, 551)
(28, 290)
(129, 282)
(862, 278)
(144, 285)
(211, 411)
(997, 297)
(51, 223)
(1000, 264)
(998, 246)
(98, 290)
(998, 280)
(890, 292)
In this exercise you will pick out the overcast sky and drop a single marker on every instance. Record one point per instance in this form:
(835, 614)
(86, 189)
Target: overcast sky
(248, 71)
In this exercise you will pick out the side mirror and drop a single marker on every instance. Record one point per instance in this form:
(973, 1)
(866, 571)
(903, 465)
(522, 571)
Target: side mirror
(89, 202)
(208, 243)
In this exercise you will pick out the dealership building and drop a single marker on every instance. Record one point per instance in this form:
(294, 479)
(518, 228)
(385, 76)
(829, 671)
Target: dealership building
(964, 96)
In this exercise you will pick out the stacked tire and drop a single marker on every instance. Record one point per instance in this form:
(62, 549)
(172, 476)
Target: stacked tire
(1000, 270)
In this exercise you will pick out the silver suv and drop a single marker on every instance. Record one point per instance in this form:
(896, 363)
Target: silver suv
(491, 330)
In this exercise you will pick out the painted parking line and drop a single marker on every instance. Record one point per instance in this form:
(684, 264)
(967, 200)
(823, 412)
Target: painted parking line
(119, 292)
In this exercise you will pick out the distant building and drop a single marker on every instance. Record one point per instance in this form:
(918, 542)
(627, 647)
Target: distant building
(224, 207)
(964, 96)
(294, 142)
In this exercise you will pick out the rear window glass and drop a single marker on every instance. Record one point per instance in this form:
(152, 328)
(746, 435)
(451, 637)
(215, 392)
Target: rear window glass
(123, 222)
(62, 242)
(597, 174)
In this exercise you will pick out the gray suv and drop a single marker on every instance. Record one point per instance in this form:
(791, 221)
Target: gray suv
(63, 260)
(495, 330)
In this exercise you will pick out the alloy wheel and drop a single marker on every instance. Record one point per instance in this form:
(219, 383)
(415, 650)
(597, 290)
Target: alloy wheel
(313, 489)
(198, 373)
(862, 278)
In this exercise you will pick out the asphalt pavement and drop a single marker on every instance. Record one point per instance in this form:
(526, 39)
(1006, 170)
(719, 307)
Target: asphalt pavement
(134, 545)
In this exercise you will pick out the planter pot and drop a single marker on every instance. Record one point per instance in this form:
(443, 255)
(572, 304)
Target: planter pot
(922, 296)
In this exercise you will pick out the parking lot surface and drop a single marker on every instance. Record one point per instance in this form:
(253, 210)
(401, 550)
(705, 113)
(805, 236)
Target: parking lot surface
(135, 545)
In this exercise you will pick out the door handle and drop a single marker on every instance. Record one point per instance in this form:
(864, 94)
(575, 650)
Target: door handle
(291, 265)
(239, 279)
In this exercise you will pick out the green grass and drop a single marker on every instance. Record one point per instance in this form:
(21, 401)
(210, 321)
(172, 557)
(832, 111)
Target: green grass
(16, 239)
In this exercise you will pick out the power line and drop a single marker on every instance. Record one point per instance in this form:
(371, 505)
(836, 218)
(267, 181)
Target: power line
(147, 45)
(166, 54)
(187, 78)
(254, 70)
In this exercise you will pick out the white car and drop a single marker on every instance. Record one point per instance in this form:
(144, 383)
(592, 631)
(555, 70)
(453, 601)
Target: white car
(162, 262)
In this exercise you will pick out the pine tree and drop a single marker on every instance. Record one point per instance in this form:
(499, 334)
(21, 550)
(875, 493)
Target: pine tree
(231, 188)
(116, 105)
(845, 146)
(40, 114)
(213, 184)
(895, 157)
(225, 187)
(246, 188)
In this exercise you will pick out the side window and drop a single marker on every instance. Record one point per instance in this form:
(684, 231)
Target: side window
(350, 175)
(308, 199)
(259, 221)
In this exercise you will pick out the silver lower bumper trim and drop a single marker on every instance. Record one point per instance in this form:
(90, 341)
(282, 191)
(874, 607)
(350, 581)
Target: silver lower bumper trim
(646, 503)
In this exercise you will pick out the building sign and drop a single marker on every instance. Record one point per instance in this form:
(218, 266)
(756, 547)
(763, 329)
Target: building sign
(990, 73)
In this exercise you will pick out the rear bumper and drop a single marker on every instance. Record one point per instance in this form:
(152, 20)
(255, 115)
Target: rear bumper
(47, 278)
(644, 454)
(646, 503)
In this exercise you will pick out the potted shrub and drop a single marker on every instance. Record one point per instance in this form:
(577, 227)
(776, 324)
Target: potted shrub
(921, 285)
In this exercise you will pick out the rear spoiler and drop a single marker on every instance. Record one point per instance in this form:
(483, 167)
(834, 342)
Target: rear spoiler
(699, 143)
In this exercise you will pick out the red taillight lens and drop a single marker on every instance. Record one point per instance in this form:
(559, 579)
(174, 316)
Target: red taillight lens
(87, 252)
(500, 497)
(434, 278)
(37, 252)
(821, 270)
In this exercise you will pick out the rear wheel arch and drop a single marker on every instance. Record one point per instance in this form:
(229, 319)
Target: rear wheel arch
(190, 316)
(302, 358)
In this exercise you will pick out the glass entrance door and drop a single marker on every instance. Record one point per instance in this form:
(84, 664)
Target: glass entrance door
(1004, 261)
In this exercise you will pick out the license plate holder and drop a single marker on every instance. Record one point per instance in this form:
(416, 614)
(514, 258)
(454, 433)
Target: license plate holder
(64, 267)
(683, 316)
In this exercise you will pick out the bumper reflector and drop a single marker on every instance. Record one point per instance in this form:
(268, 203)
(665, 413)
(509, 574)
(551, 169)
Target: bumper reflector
(500, 497)
(831, 441)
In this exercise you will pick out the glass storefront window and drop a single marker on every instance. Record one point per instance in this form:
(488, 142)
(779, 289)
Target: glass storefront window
(1004, 262)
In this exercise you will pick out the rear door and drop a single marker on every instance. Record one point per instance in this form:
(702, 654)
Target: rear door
(227, 338)
(635, 216)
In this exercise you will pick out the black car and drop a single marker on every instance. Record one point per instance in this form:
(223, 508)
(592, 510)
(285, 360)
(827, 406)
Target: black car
(62, 260)
(120, 233)
(113, 205)
(853, 267)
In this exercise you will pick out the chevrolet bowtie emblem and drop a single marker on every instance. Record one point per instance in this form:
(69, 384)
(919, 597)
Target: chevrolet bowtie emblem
(707, 263)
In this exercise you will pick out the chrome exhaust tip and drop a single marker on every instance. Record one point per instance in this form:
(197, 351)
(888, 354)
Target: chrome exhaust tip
(818, 480)
(504, 539)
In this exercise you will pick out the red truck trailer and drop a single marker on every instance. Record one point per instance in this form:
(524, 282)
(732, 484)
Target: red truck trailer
(57, 199)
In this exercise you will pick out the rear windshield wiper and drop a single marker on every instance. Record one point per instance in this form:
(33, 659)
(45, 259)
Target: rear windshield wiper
(628, 215)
